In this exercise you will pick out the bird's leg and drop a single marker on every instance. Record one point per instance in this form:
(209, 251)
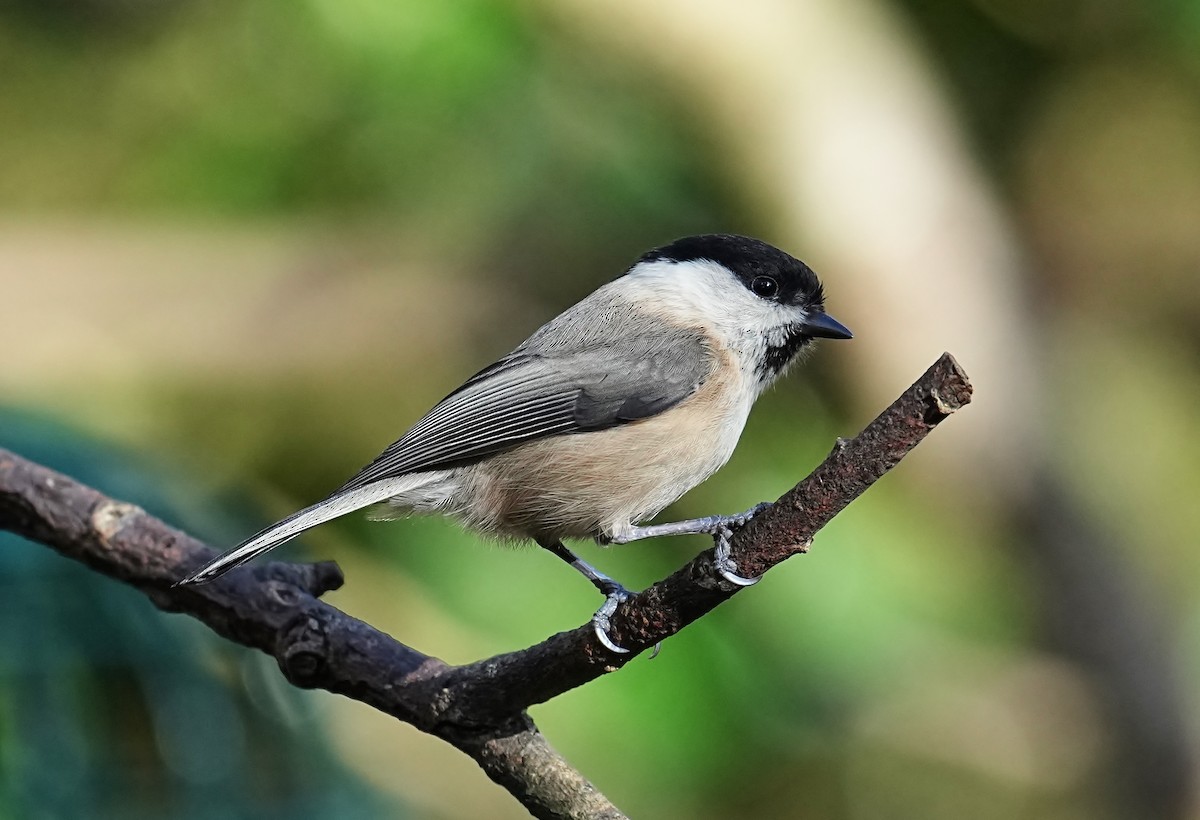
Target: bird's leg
(614, 593)
(720, 527)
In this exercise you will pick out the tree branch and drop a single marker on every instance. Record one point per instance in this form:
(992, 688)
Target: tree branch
(478, 707)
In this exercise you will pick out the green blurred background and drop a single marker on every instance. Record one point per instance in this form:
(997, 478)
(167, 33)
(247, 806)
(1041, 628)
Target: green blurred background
(243, 245)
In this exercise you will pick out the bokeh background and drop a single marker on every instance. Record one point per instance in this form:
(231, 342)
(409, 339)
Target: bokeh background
(244, 244)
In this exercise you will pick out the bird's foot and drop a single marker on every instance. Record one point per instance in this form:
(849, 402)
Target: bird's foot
(614, 596)
(722, 533)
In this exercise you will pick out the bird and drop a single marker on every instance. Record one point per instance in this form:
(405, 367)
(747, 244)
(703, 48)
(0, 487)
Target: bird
(603, 417)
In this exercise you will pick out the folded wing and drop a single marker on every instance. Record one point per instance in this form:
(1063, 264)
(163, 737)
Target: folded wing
(528, 396)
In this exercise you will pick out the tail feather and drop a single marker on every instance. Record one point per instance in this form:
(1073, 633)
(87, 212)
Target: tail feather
(280, 532)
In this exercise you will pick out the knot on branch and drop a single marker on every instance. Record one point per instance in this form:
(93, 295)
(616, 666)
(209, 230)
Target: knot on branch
(303, 651)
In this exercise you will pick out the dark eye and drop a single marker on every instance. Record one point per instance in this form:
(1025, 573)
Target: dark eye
(764, 286)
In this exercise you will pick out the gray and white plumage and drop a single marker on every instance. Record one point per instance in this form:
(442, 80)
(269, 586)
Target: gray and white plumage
(606, 414)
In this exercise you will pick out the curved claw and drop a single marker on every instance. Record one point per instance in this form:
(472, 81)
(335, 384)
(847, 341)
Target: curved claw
(725, 565)
(602, 636)
(734, 578)
(601, 623)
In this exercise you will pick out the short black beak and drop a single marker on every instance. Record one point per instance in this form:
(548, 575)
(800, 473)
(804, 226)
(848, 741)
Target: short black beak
(824, 326)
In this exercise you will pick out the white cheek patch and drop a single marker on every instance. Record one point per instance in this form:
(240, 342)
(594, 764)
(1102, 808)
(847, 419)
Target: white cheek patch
(702, 293)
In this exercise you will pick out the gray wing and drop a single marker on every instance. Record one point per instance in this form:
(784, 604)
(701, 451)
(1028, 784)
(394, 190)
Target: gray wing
(578, 383)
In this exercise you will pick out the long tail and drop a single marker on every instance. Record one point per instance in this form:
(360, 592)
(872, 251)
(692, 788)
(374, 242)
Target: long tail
(280, 532)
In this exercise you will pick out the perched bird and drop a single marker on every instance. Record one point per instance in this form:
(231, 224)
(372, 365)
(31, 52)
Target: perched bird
(604, 416)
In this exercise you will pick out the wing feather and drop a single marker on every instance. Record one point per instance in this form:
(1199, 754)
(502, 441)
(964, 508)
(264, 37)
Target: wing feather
(530, 395)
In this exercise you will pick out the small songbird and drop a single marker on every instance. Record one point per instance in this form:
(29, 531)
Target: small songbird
(604, 416)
